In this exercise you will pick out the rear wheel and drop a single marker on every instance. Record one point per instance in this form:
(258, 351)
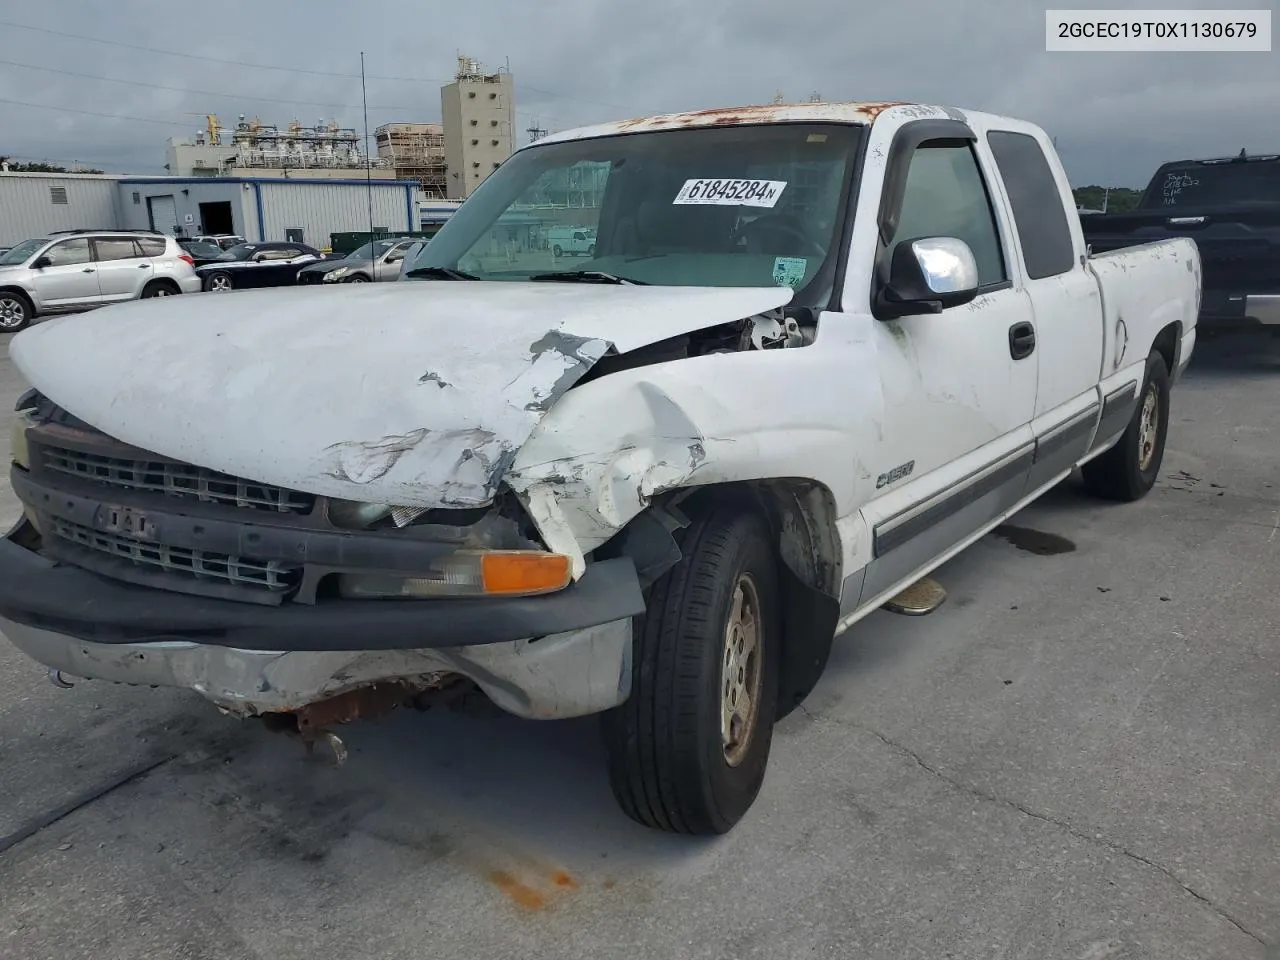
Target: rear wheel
(15, 311)
(688, 749)
(1128, 470)
(557, 251)
(160, 288)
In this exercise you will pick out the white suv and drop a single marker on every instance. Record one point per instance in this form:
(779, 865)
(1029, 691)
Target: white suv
(81, 269)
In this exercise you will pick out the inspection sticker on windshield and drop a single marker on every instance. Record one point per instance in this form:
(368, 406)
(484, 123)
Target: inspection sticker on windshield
(788, 271)
(731, 193)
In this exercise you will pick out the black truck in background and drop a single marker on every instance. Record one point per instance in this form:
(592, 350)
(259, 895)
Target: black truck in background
(1231, 208)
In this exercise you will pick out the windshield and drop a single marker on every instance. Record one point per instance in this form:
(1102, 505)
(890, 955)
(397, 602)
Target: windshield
(241, 251)
(367, 251)
(1215, 184)
(715, 206)
(21, 252)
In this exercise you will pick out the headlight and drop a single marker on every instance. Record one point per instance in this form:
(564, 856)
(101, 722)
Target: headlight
(333, 275)
(467, 573)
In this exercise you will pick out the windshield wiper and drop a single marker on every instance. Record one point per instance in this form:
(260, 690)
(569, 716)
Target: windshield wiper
(586, 276)
(441, 273)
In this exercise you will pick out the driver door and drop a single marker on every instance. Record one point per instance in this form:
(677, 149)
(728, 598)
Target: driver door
(959, 396)
(71, 277)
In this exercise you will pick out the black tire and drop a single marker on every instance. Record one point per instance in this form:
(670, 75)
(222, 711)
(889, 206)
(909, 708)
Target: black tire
(356, 278)
(1127, 472)
(668, 764)
(212, 282)
(15, 311)
(557, 251)
(591, 250)
(160, 288)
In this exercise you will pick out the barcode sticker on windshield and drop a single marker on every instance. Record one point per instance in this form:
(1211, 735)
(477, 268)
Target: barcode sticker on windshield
(731, 193)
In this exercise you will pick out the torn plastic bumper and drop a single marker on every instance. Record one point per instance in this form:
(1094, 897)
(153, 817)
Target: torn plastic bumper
(554, 677)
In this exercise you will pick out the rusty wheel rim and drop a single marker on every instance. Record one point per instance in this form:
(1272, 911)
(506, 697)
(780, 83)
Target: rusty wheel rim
(740, 671)
(1148, 428)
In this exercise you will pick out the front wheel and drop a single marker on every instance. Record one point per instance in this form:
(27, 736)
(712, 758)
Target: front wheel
(15, 312)
(1128, 470)
(591, 250)
(219, 283)
(358, 278)
(688, 748)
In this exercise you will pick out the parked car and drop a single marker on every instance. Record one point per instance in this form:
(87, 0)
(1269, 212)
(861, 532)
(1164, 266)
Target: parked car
(223, 240)
(202, 252)
(70, 271)
(1230, 207)
(822, 348)
(376, 261)
(248, 265)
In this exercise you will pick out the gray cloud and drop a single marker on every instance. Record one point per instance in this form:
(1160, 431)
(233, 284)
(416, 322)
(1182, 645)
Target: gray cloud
(580, 61)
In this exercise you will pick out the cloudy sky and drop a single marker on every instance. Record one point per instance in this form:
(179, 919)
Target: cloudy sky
(107, 82)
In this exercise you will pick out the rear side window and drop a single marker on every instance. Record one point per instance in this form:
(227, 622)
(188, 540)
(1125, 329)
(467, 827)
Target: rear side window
(121, 248)
(1037, 205)
(152, 246)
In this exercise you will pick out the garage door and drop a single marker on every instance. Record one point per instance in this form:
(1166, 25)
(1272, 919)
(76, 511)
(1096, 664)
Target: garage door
(163, 212)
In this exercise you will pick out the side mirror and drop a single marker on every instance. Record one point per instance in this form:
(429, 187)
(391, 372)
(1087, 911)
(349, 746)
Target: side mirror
(927, 276)
(40, 263)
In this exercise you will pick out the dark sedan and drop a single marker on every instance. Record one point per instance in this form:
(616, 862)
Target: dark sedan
(249, 265)
(200, 251)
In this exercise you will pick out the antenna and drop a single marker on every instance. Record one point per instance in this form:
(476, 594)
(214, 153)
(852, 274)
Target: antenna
(368, 169)
(536, 132)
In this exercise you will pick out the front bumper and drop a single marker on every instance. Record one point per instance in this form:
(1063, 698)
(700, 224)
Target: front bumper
(556, 677)
(39, 593)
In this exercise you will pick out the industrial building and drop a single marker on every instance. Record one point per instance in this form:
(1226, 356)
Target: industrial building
(414, 151)
(261, 208)
(264, 150)
(478, 110)
(257, 208)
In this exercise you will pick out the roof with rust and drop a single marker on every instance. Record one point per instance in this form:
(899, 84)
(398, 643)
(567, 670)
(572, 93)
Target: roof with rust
(847, 112)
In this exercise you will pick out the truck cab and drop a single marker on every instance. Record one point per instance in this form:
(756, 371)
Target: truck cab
(814, 352)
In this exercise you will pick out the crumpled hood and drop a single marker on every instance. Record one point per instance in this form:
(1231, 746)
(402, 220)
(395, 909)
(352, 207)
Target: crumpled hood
(414, 394)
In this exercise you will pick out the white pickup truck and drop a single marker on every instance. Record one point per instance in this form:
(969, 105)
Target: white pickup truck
(817, 351)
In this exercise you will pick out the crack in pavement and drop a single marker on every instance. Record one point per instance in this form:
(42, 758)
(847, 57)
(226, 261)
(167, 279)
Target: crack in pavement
(1096, 840)
(79, 802)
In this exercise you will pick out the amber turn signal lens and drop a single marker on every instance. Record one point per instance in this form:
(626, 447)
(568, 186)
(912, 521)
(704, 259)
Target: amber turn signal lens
(524, 573)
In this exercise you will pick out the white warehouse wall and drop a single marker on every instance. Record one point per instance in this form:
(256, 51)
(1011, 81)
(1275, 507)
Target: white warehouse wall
(27, 209)
(319, 209)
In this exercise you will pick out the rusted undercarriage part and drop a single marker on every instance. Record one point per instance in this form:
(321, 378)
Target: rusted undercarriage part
(311, 723)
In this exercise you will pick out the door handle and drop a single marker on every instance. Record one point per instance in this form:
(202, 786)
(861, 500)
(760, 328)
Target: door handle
(143, 266)
(87, 270)
(1022, 340)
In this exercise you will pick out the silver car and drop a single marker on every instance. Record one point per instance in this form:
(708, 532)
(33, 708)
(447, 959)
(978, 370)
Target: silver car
(380, 260)
(79, 270)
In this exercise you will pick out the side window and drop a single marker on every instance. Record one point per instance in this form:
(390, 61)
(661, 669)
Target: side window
(1041, 219)
(276, 253)
(152, 246)
(117, 248)
(68, 252)
(945, 196)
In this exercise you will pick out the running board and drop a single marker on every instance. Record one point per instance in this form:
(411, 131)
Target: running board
(922, 597)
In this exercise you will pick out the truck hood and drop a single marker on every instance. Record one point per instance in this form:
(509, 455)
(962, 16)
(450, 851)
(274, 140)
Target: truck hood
(412, 394)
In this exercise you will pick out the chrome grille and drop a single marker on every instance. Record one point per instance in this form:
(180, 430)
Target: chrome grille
(175, 480)
(272, 575)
